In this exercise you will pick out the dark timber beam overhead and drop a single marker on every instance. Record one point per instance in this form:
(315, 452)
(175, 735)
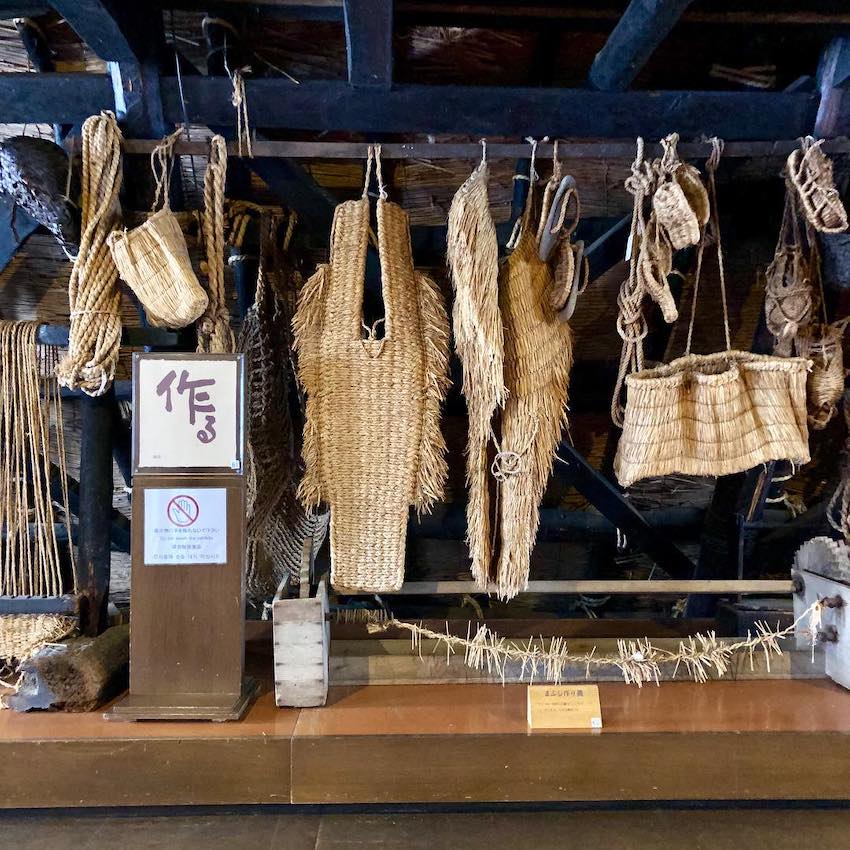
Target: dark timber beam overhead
(106, 26)
(644, 25)
(369, 42)
(53, 98)
(517, 112)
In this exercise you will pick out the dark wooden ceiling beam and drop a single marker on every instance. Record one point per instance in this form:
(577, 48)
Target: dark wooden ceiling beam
(369, 42)
(514, 112)
(644, 25)
(106, 26)
(833, 116)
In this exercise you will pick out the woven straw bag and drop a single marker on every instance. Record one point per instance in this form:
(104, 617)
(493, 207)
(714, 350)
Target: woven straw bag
(153, 258)
(372, 441)
(713, 414)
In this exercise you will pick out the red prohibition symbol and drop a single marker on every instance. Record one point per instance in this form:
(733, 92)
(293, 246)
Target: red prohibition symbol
(182, 511)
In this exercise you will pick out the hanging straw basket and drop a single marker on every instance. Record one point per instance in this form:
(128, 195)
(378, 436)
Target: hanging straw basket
(713, 414)
(154, 261)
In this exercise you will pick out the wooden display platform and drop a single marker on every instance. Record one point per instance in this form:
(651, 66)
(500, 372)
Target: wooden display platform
(460, 744)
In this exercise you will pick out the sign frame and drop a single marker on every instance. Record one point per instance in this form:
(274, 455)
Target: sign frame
(188, 357)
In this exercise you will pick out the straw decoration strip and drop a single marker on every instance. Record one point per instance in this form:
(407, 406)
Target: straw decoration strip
(703, 656)
(214, 333)
(94, 298)
(473, 260)
(30, 555)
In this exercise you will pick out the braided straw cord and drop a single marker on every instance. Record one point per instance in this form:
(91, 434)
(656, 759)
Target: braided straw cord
(713, 414)
(30, 561)
(538, 358)
(473, 260)
(214, 333)
(94, 298)
(372, 444)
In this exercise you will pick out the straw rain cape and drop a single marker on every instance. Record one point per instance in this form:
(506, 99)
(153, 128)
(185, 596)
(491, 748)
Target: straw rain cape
(372, 441)
(538, 358)
(473, 259)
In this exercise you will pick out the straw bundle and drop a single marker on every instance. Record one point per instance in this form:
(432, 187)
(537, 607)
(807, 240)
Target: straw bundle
(714, 414)
(372, 441)
(473, 259)
(153, 258)
(538, 357)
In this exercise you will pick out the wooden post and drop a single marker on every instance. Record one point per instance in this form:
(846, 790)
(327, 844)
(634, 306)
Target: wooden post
(93, 554)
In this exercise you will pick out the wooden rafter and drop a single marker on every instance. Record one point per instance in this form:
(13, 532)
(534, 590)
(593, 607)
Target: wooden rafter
(644, 25)
(369, 42)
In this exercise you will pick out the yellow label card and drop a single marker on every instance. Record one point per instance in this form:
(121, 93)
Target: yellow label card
(564, 707)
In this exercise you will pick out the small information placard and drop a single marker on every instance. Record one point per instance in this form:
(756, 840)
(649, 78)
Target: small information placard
(564, 707)
(187, 412)
(185, 526)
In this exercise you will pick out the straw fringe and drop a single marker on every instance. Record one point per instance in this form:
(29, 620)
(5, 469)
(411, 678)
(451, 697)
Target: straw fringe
(433, 468)
(473, 259)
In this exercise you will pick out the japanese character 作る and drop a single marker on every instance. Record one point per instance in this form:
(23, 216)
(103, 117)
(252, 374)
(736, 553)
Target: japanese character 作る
(199, 400)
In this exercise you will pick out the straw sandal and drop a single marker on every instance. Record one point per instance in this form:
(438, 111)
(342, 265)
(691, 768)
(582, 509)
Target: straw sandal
(810, 170)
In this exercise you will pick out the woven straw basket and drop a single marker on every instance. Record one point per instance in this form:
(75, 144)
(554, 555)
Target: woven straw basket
(372, 441)
(154, 262)
(153, 258)
(713, 414)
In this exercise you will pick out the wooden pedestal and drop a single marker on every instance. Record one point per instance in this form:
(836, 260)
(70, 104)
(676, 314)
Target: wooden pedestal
(187, 620)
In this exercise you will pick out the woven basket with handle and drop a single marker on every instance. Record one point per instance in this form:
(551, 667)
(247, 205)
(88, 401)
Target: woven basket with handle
(713, 414)
(153, 259)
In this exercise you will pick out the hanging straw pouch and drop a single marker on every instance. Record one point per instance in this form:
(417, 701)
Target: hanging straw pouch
(670, 201)
(713, 414)
(153, 258)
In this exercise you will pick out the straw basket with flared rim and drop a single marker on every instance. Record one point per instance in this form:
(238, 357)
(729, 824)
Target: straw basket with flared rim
(713, 414)
(372, 441)
(154, 261)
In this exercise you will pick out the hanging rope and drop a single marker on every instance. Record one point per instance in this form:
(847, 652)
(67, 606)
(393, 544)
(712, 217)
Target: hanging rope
(631, 322)
(240, 103)
(30, 562)
(94, 298)
(214, 333)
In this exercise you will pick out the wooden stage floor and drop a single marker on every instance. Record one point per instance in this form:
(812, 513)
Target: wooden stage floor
(455, 744)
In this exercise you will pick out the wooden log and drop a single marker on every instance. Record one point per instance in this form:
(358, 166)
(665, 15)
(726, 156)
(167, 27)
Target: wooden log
(80, 674)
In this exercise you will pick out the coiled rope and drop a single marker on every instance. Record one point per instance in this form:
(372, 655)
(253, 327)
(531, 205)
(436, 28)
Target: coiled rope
(95, 335)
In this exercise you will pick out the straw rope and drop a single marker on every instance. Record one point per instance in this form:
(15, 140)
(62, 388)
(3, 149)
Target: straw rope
(372, 442)
(473, 259)
(214, 333)
(95, 336)
(30, 557)
(714, 414)
(703, 656)
(240, 103)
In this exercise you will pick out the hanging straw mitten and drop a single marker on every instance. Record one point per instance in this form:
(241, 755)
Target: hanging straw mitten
(372, 441)
(153, 259)
(670, 202)
(810, 169)
(472, 253)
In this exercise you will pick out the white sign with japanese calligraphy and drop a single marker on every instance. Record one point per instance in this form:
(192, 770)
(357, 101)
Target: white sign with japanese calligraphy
(185, 526)
(187, 412)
